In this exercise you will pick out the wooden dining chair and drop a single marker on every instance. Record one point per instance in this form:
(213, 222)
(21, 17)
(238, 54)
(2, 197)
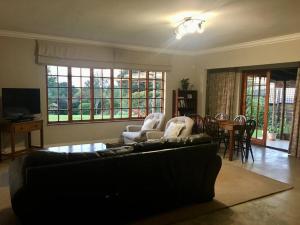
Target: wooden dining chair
(212, 128)
(222, 116)
(199, 126)
(250, 128)
(241, 119)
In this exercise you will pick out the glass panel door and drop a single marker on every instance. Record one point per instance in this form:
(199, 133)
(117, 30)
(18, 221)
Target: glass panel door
(255, 102)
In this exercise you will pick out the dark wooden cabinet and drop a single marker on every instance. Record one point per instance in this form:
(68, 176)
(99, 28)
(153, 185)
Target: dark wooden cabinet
(184, 103)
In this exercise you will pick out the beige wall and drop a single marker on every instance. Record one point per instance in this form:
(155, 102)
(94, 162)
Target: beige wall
(284, 52)
(18, 69)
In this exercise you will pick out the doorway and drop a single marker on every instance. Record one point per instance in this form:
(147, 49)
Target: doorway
(281, 107)
(268, 98)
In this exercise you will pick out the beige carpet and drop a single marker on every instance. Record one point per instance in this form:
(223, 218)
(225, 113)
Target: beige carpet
(234, 185)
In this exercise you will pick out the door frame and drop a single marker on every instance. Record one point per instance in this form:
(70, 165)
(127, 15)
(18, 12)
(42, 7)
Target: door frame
(261, 73)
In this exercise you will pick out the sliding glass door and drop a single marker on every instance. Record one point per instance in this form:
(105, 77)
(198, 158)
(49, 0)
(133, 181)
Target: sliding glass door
(256, 86)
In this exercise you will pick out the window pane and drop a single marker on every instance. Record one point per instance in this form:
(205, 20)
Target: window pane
(86, 91)
(143, 74)
(52, 116)
(52, 104)
(117, 113)
(97, 73)
(106, 83)
(135, 74)
(76, 92)
(76, 114)
(125, 93)
(106, 93)
(117, 103)
(63, 81)
(76, 82)
(63, 92)
(86, 82)
(135, 112)
(117, 83)
(52, 81)
(52, 70)
(125, 83)
(151, 85)
(52, 92)
(106, 104)
(63, 103)
(97, 83)
(125, 113)
(98, 93)
(98, 103)
(151, 75)
(75, 71)
(62, 70)
(159, 75)
(63, 115)
(117, 93)
(106, 73)
(85, 72)
(106, 114)
(125, 103)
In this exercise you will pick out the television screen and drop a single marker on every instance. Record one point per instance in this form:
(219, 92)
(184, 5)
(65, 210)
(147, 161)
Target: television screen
(18, 102)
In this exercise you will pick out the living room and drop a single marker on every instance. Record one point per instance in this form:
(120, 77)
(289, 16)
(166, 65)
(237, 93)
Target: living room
(143, 37)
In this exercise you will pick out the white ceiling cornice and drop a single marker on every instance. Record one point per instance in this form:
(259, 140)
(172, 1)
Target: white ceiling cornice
(35, 36)
(266, 41)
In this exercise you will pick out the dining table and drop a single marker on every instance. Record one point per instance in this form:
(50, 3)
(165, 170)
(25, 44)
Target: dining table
(231, 126)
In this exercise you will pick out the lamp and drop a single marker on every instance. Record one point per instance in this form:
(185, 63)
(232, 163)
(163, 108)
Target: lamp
(189, 25)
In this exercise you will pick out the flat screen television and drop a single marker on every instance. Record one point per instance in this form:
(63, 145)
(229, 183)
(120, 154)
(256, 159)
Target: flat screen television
(20, 103)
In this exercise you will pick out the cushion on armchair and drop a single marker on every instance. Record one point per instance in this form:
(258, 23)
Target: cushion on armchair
(173, 130)
(149, 124)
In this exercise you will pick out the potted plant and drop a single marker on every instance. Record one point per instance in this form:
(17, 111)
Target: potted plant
(185, 83)
(272, 132)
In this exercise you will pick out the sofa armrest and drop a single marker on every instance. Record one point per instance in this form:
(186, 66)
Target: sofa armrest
(154, 135)
(133, 128)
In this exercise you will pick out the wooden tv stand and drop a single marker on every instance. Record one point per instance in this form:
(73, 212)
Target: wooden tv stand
(14, 128)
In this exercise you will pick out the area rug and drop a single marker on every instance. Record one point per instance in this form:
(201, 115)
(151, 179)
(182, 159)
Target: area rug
(234, 185)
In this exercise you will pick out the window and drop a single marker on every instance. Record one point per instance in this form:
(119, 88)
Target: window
(93, 94)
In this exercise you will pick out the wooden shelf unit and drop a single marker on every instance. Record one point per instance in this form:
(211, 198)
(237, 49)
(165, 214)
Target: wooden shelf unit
(184, 102)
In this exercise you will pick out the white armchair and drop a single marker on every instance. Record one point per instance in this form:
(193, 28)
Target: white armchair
(184, 131)
(137, 133)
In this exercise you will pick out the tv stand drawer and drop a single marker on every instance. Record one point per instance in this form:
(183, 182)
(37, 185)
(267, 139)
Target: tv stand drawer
(28, 126)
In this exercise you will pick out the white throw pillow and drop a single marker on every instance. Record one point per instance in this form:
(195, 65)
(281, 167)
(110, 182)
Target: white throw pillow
(173, 130)
(148, 124)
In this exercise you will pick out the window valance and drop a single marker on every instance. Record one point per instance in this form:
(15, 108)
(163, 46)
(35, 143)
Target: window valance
(68, 54)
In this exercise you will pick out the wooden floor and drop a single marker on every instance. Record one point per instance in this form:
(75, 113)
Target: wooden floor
(279, 209)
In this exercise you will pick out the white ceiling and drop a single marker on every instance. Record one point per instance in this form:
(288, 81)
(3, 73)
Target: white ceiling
(146, 23)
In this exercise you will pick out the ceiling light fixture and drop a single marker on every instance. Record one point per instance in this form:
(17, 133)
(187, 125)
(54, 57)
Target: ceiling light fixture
(189, 25)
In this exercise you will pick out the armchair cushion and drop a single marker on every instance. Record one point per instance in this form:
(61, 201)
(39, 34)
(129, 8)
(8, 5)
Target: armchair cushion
(149, 124)
(173, 130)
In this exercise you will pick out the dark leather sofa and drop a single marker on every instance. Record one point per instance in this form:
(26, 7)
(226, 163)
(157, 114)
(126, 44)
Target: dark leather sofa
(65, 188)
